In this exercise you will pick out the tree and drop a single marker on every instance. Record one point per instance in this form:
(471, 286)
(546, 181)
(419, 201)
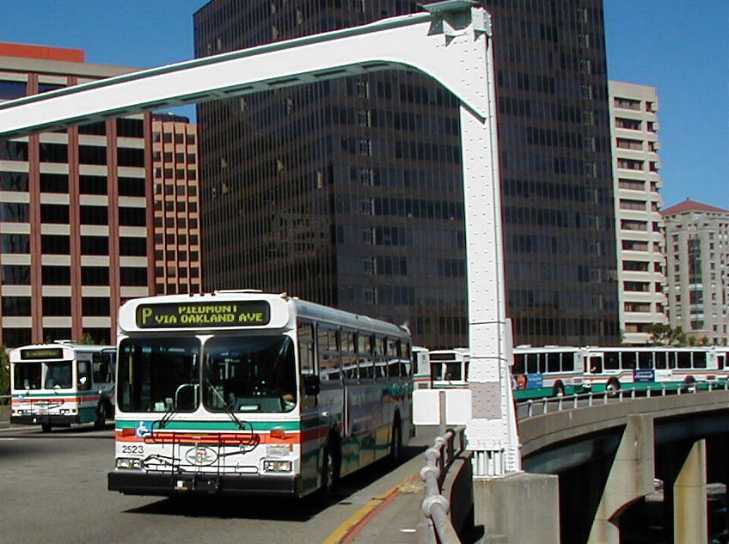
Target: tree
(4, 372)
(665, 335)
(87, 339)
(660, 334)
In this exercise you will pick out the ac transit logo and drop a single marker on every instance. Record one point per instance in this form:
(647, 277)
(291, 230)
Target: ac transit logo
(143, 430)
(201, 456)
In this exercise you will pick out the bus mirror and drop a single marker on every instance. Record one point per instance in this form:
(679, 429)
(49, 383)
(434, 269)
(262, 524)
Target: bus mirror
(311, 384)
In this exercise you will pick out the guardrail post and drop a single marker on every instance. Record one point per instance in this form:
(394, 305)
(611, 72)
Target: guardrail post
(575, 397)
(545, 408)
(663, 389)
(589, 399)
(648, 392)
(530, 408)
(559, 404)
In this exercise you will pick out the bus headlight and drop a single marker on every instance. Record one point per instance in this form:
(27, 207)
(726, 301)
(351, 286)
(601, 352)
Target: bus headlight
(125, 463)
(276, 466)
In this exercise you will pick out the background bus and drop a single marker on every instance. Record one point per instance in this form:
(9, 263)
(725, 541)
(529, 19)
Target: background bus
(55, 385)
(643, 368)
(421, 367)
(250, 393)
(547, 371)
(449, 368)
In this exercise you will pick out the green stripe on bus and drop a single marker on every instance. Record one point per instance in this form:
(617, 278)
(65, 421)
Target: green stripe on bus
(185, 425)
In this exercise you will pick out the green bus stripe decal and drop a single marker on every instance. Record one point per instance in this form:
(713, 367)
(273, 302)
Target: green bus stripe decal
(185, 425)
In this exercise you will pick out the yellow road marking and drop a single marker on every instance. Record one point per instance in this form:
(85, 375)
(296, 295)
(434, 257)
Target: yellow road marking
(343, 530)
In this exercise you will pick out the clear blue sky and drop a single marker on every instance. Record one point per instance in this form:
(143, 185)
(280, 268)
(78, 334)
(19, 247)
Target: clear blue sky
(679, 46)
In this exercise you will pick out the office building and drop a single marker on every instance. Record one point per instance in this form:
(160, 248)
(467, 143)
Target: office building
(176, 214)
(697, 270)
(637, 184)
(73, 210)
(349, 192)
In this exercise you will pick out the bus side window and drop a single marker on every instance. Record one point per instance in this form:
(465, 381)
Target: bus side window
(518, 367)
(596, 365)
(305, 334)
(328, 352)
(612, 360)
(379, 357)
(661, 363)
(364, 357)
(568, 362)
(84, 375)
(532, 367)
(101, 368)
(699, 359)
(349, 356)
(392, 355)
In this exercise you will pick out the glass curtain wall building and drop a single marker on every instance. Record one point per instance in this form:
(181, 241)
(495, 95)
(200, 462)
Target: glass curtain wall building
(349, 192)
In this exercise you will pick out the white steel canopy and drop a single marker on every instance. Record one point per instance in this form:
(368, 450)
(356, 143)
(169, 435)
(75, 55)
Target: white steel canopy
(451, 43)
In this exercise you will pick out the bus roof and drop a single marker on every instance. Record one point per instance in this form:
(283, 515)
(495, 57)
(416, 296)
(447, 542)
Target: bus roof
(233, 310)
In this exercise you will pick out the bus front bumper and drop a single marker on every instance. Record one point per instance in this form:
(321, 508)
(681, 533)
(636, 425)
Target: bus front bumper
(145, 483)
(45, 419)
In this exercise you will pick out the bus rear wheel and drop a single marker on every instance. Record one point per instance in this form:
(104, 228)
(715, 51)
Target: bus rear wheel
(100, 421)
(46, 427)
(329, 472)
(612, 387)
(396, 443)
(558, 390)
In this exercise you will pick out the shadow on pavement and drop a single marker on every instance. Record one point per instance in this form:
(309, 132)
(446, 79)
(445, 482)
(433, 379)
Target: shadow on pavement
(273, 508)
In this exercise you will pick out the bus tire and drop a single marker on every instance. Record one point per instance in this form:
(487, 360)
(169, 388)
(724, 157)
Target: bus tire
(100, 421)
(45, 427)
(689, 384)
(612, 388)
(396, 441)
(558, 389)
(329, 471)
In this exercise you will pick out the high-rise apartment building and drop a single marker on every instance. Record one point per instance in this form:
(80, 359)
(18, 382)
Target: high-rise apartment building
(697, 270)
(74, 210)
(349, 192)
(176, 213)
(638, 219)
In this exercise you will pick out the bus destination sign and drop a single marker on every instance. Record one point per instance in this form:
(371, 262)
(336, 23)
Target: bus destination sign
(39, 354)
(203, 315)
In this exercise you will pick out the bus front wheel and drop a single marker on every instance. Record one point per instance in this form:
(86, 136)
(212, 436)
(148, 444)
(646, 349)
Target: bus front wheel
(46, 427)
(558, 390)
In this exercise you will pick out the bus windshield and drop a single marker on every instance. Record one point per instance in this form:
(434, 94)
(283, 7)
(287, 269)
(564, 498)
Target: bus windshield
(27, 376)
(250, 374)
(58, 375)
(159, 374)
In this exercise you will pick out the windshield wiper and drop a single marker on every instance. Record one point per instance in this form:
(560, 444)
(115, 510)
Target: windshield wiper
(226, 406)
(162, 423)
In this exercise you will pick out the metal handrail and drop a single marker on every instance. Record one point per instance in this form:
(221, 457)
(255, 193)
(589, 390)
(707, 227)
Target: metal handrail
(435, 506)
(572, 402)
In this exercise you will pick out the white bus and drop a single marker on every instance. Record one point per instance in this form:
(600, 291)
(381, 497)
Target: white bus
(239, 392)
(55, 385)
(449, 368)
(549, 371)
(421, 367)
(642, 368)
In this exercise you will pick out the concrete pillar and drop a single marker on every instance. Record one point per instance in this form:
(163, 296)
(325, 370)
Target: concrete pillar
(690, 524)
(630, 478)
(518, 508)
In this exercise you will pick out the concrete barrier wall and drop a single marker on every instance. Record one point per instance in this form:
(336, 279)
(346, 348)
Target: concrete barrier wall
(458, 490)
(543, 431)
(4, 413)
